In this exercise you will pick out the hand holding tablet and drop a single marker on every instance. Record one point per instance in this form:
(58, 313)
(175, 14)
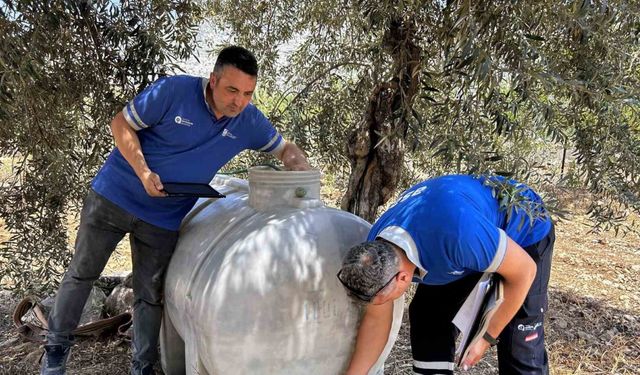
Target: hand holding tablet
(187, 189)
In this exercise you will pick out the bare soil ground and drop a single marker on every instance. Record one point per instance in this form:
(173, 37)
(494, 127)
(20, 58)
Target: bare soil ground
(593, 323)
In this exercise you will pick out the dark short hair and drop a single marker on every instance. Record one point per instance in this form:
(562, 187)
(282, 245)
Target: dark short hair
(367, 267)
(238, 57)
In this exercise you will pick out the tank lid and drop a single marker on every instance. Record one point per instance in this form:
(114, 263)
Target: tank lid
(268, 175)
(270, 188)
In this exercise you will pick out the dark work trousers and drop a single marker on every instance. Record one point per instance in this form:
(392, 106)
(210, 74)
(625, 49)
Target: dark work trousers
(102, 225)
(521, 346)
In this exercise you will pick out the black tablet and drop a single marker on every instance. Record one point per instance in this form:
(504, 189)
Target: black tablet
(187, 189)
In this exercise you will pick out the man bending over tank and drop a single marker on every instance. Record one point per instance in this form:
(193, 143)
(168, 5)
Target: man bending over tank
(444, 233)
(179, 129)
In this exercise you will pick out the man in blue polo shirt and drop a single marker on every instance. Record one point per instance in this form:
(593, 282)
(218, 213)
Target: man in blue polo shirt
(444, 233)
(179, 129)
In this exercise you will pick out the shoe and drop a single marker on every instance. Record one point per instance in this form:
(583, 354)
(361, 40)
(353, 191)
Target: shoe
(144, 370)
(54, 360)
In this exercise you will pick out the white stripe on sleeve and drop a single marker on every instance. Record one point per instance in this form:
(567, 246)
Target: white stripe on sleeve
(271, 142)
(500, 252)
(130, 121)
(401, 238)
(136, 117)
(435, 365)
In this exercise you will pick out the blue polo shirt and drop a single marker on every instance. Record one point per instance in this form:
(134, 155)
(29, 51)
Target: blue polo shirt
(452, 226)
(182, 141)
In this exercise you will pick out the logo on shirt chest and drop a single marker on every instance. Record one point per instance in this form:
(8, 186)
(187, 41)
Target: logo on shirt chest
(182, 121)
(228, 134)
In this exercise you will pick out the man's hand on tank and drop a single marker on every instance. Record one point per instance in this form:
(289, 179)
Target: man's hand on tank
(293, 158)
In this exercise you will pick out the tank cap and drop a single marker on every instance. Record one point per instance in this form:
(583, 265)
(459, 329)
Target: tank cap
(269, 188)
(301, 192)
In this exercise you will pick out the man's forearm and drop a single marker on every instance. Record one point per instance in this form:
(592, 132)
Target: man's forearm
(373, 335)
(515, 292)
(129, 145)
(518, 271)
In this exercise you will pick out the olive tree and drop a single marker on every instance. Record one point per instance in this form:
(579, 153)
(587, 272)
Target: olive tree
(415, 88)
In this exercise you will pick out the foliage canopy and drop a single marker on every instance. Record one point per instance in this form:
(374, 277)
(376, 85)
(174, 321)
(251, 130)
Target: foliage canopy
(382, 93)
(465, 86)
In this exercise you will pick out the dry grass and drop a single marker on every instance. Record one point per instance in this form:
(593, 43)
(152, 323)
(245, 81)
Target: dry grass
(598, 265)
(5, 174)
(6, 164)
(4, 235)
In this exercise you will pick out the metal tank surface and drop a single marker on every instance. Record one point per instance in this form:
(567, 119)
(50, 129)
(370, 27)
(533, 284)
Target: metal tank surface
(252, 287)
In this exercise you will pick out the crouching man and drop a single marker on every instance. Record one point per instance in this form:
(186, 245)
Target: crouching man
(444, 233)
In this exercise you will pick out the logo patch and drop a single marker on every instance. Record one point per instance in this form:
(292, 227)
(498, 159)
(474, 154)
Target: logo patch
(182, 121)
(455, 273)
(228, 134)
(529, 327)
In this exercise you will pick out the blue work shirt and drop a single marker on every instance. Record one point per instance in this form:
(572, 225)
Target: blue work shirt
(182, 141)
(452, 226)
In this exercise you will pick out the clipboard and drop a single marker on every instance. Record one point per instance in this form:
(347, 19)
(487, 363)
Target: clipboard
(475, 314)
(188, 189)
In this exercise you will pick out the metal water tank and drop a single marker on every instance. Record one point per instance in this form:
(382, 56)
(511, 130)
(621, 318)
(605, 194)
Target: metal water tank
(252, 287)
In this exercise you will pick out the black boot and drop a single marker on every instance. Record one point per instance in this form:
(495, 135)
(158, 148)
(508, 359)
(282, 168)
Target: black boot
(54, 361)
(138, 369)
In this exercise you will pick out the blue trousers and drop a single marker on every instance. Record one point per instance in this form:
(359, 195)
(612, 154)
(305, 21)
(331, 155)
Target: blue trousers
(521, 347)
(102, 225)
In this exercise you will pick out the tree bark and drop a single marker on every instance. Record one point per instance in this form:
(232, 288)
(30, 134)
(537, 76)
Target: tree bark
(376, 147)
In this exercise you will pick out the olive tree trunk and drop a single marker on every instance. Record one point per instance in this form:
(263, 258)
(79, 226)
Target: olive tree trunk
(376, 147)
